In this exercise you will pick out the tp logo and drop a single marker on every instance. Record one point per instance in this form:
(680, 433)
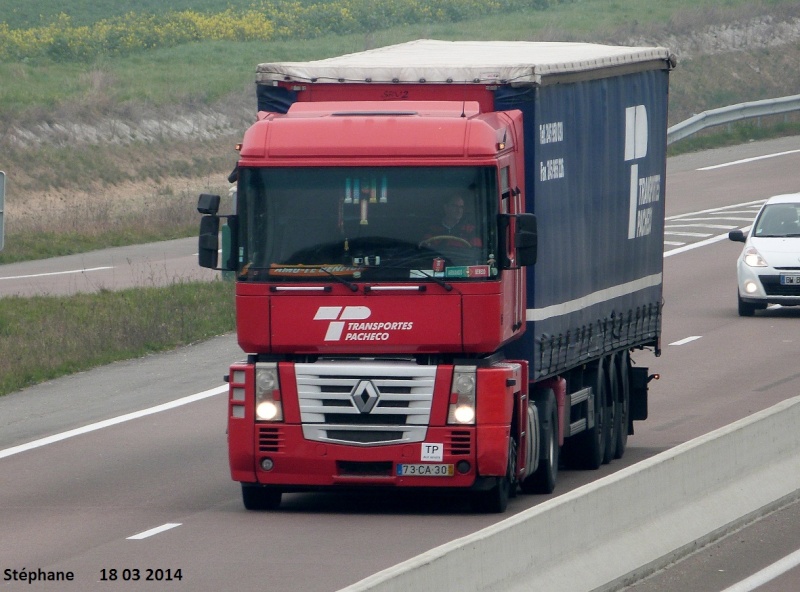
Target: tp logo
(635, 148)
(337, 315)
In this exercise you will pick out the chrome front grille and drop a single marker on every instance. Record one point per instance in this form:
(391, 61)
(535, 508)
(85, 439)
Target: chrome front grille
(365, 403)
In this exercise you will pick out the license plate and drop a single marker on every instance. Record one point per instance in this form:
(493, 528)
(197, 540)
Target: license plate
(425, 470)
(790, 280)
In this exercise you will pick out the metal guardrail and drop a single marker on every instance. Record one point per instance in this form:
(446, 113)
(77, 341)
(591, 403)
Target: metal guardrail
(731, 114)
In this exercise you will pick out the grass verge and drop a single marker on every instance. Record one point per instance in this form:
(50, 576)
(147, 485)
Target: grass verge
(76, 333)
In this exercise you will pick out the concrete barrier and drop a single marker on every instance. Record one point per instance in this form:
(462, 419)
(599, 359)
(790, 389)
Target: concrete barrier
(611, 532)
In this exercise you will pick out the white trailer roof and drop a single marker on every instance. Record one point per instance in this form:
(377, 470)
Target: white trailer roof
(428, 60)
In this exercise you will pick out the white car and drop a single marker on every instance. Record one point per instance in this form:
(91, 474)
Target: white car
(769, 266)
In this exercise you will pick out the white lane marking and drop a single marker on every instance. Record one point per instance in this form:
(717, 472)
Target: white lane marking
(697, 245)
(684, 233)
(153, 531)
(36, 275)
(746, 160)
(113, 421)
(767, 574)
(717, 226)
(723, 209)
(686, 340)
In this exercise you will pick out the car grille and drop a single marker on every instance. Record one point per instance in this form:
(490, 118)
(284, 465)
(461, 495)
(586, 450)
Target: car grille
(772, 286)
(365, 403)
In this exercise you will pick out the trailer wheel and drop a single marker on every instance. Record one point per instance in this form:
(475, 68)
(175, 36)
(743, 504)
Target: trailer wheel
(260, 497)
(613, 411)
(543, 480)
(589, 447)
(623, 379)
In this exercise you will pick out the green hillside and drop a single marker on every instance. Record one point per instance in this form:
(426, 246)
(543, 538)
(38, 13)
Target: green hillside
(112, 113)
(34, 13)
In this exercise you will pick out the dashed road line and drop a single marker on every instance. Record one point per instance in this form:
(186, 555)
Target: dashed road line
(686, 340)
(154, 531)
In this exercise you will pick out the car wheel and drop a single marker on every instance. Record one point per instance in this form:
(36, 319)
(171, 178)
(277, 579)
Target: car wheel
(745, 308)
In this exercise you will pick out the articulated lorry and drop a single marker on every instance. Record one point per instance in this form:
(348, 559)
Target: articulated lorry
(445, 255)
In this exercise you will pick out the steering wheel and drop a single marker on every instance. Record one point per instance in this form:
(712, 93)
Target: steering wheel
(444, 237)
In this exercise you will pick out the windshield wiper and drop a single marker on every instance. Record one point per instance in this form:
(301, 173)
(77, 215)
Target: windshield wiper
(353, 287)
(439, 281)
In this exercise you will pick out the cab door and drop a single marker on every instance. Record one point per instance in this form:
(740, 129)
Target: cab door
(511, 202)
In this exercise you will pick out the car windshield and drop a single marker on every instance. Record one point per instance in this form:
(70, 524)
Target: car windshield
(778, 220)
(392, 223)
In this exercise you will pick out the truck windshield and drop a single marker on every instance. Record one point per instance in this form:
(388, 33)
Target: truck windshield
(370, 223)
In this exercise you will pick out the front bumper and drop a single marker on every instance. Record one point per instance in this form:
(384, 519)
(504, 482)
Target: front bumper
(299, 464)
(768, 288)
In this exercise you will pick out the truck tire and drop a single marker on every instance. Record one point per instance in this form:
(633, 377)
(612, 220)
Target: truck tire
(260, 497)
(613, 411)
(495, 500)
(543, 480)
(589, 447)
(623, 362)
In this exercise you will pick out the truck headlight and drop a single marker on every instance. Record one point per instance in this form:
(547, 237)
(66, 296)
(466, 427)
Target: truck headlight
(269, 411)
(462, 396)
(268, 394)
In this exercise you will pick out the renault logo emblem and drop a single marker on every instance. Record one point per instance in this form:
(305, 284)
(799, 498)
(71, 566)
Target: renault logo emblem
(365, 396)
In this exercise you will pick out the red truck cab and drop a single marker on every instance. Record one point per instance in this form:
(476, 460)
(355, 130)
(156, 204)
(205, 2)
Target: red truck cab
(370, 325)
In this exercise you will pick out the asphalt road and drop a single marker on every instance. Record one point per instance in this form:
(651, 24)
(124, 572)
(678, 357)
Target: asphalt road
(151, 491)
(154, 264)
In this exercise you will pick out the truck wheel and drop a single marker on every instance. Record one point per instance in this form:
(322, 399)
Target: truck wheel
(624, 411)
(260, 497)
(591, 444)
(495, 500)
(613, 411)
(544, 479)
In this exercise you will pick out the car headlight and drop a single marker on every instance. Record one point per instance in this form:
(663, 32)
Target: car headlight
(462, 396)
(268, 394)
(753, 258)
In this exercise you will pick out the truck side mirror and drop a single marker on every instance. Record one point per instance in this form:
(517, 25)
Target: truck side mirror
(524, 240)
(208, 204)
(209, 242)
